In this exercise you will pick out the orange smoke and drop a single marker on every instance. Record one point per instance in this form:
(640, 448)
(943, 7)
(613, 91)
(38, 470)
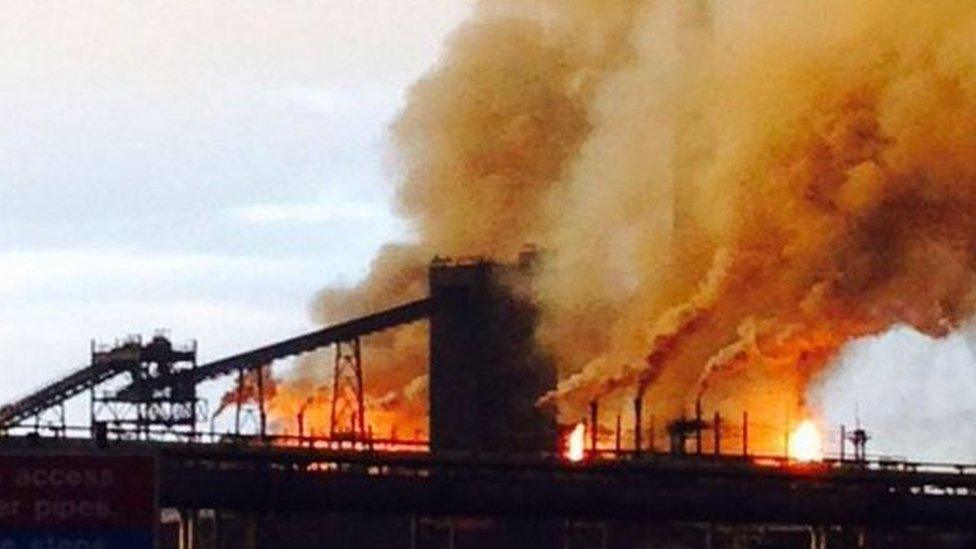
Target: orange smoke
(727, 199)
(249, 390)
(834, 189)
(484, 137)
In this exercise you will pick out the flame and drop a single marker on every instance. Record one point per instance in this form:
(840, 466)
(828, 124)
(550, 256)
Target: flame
(575, 443)
(822, 157)
(805, 444)
(837, 212)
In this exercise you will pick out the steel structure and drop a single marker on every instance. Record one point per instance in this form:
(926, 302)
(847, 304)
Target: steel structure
(161, 390)
(481, 347)
(242, 475)
(56, 393)
(347, 419)
(172, 409)
(487, 369)
(344, 332)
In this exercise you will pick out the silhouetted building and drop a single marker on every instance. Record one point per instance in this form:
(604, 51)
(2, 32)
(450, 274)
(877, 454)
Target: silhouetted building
(486, 370)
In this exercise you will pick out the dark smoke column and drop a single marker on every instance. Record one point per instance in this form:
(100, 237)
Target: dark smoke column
(486, 370)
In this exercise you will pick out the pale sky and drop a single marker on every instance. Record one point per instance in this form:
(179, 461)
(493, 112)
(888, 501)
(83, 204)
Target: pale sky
(201, 166)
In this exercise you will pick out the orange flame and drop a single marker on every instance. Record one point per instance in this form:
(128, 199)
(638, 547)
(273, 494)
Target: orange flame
(575, 443)
(824, 163)
(805, 444)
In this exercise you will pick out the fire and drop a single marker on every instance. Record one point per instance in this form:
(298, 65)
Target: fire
(805, 444)
(822, 157)
(575, 443)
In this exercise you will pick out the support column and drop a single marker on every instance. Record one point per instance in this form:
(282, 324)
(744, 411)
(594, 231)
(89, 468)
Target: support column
(698, 427)
(638, 412)
(360, 397)
(347, 418)
(745, 434)
(64, 421)
(594, 425)
(218, 529)
(717, 434)
(193, 402)
(91, 409)
(187, 527)
(818, 537)
(843, 441)
(240, 398)
(616, 438)
(263, 417)
(252, 530)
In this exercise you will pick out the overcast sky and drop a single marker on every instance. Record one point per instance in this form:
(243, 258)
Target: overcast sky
(198, 166)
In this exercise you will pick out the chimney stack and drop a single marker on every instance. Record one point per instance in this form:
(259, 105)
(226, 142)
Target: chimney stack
(698, 426)
(594, 424)
(638, 411)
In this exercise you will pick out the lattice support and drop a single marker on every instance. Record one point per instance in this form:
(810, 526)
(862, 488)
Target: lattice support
(348, 415)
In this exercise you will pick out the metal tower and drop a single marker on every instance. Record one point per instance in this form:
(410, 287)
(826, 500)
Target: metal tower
(172, 409)
(348, 416)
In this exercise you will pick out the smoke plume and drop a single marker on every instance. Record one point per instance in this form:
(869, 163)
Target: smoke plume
(819, 153)
(484, 138)
(730, 192)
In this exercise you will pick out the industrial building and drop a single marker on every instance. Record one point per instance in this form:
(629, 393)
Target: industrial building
(491, 474)
(486, 369)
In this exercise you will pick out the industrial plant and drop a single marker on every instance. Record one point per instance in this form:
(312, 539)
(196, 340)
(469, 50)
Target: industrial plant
(497, 469)
(723, 198)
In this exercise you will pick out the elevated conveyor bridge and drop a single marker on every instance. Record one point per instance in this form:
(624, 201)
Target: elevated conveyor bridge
(147, 387)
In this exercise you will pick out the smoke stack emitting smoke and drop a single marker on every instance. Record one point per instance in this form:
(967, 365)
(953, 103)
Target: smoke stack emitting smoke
(725, 207)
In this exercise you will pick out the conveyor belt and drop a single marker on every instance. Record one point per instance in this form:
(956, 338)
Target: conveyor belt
(87, 377)
(59, 391)
(404, 314)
